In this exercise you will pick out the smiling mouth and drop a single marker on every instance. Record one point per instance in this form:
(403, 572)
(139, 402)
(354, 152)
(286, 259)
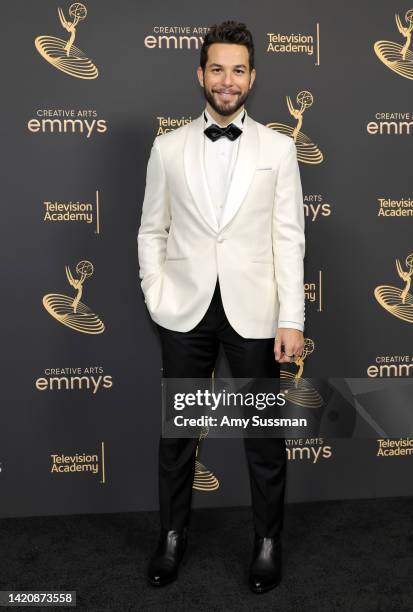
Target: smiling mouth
(225, 95)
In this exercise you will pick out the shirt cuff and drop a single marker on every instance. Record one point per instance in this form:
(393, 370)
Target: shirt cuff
(291, 325)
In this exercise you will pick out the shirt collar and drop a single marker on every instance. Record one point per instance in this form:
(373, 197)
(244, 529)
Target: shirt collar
(238, 120)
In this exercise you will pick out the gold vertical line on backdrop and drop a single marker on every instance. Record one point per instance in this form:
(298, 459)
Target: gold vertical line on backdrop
(318, 44)
(320, 290)
(97, 212)
(103, 481)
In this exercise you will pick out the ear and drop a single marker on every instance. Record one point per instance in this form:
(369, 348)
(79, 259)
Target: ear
(252, 77)
(200, 75)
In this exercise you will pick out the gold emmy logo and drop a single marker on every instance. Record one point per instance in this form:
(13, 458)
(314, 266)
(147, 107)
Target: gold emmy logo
(296, 389)
(204, 479)
(397, 57)
(72, 312)
(396, 301)
(307, 151)
(64, 55)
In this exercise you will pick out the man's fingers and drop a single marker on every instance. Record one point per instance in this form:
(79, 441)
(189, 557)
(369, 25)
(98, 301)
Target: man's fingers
(285, 358)
(287, 343)
(291, 353)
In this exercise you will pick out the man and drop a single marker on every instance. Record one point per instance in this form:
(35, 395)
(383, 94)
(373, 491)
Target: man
(221, 247)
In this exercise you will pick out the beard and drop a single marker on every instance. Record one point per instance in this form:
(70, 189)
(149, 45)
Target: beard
(225, 109)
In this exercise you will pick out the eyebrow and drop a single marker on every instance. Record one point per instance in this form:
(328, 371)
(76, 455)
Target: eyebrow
(236, 65)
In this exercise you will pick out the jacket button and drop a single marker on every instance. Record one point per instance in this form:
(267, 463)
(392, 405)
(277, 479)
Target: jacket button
(220, 239)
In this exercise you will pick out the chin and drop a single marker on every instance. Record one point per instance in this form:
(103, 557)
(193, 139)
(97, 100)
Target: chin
(226, 110)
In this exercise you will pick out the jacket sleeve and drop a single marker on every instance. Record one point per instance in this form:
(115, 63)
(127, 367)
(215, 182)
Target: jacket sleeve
(155, 220)
(289, 241)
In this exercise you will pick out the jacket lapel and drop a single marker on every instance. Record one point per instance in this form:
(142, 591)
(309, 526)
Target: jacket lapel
(243, 171)
(195, 171)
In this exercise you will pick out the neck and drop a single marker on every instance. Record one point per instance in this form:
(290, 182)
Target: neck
(223, 120)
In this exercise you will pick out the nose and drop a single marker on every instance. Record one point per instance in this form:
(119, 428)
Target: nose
(227, 79)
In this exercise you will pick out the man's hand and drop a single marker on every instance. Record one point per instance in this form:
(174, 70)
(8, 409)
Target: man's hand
(292, 341)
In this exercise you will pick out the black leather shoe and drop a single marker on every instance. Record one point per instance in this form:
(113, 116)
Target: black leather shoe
(163, 566)
(265, 568)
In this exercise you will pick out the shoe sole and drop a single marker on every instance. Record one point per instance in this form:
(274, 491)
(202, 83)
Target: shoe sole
(161, 584)
(265, 589)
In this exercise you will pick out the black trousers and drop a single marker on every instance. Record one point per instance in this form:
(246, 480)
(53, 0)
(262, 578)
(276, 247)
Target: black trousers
(193, 354)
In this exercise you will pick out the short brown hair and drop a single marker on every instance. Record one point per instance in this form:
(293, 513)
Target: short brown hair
(232, 32)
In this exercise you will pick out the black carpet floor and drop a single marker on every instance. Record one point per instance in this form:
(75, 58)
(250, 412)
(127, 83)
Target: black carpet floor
(344, 555)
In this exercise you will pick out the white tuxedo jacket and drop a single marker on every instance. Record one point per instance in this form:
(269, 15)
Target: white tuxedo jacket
(257, 252)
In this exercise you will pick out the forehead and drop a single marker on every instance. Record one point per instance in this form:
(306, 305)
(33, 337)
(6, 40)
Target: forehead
(227, 54)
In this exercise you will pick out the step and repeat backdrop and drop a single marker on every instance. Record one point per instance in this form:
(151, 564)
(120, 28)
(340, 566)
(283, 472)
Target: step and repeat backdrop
(86, 89)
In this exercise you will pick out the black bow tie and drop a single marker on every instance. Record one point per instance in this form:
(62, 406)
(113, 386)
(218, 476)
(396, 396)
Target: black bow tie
(214, 132)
